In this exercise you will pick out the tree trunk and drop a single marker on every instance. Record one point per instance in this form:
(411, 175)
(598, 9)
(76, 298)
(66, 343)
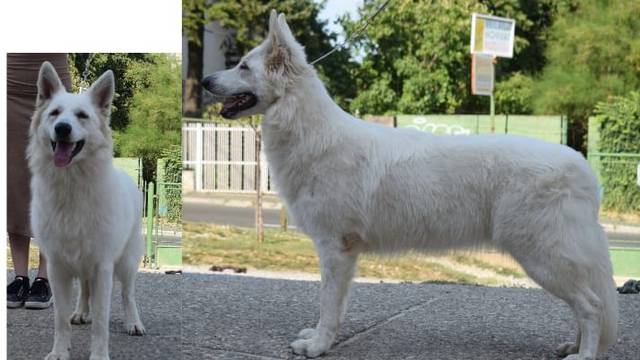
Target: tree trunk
(192, 98)
(259, 218)
(576, 133)
(284, 221)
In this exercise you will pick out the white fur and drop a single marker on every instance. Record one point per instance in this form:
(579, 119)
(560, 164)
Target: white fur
(357, 187)
(85, 216)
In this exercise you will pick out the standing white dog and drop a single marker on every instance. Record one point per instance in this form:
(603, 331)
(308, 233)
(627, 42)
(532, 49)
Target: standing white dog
(356, 187)
(85, 214)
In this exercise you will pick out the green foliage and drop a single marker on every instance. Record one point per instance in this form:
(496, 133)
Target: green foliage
(173, 174)
(593, 53)
(193, 18)
(514, 96)
(619, 127)
(249, 19)
(416, 54)
(154, 111)
(126, 86)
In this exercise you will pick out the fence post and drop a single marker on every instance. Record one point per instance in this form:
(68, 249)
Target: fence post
(199, 156)
(149, 237)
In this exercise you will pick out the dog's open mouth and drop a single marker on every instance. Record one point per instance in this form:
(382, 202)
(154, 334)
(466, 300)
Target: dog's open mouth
(64, 151)
(237, 103)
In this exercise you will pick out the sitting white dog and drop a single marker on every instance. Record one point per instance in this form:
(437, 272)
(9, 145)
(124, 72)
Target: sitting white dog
(85, 214)
(357, 187)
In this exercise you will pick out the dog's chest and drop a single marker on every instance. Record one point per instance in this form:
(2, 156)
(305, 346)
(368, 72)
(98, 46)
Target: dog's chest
(69, 223)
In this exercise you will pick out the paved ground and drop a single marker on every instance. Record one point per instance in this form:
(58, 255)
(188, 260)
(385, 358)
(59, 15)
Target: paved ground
(30, 332)
(227, 215)
(235, 317)
(240, 317)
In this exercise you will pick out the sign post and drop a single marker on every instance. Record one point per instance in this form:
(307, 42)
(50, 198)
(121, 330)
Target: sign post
(491, 37)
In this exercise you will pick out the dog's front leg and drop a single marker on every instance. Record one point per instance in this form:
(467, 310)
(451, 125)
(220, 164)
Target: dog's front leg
(81, 315)
(337, 269)
(101, 287)
(61, 286)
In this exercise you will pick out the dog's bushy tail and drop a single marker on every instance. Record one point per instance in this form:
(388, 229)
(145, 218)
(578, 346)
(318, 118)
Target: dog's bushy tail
(601, 282)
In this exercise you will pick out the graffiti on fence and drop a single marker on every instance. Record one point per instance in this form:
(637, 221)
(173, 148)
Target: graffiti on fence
(422, 123)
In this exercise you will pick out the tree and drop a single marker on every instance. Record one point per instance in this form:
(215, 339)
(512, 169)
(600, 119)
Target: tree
(194, 19)
(154, 111)
(416, 54)
(513, 96)
(593, 53)
(125, 86)
(248, 22)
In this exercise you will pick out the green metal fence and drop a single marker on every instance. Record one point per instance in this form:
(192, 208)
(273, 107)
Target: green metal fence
(548, 128)
(162, 236)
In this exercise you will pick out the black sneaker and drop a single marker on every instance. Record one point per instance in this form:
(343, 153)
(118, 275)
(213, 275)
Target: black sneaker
(39, 295)
(17, 292)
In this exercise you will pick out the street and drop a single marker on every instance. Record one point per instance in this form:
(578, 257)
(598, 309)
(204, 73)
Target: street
(244, 216)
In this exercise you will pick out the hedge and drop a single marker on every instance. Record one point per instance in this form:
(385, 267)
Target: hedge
(618, 122)
(173, 174)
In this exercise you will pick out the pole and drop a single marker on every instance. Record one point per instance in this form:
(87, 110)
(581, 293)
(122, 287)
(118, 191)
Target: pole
(149, 237)
(493, 114)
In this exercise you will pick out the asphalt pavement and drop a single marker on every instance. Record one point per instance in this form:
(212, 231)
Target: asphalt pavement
(199, 211)
(30, 332)
(239, 317)
(218, 316)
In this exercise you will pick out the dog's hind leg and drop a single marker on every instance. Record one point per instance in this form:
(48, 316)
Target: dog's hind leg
(61, 286)
(101, 288)
(126, 271)
(337, 269)
(81, 315)
(582, 279)
(569, 348)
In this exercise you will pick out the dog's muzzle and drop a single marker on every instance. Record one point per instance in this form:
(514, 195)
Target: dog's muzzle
(64, 150)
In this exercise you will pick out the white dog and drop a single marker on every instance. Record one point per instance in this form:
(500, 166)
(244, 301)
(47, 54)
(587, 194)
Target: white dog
(357, 187)
(85, 214)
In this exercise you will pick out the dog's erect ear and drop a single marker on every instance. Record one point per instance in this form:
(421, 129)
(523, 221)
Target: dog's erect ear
(286, 53)
(273, 23)
(102, 91)
(48, 82)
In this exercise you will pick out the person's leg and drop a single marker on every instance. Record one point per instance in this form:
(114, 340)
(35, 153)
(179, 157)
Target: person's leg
(19, 245)
(42, 267)
(18, 289)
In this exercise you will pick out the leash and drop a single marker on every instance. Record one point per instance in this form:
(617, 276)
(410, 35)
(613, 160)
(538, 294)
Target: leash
(353, 35)
(84, 84)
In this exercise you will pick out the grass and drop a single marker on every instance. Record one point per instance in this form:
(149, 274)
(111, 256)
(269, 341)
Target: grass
(628, 217)
(207, 244)
(496, 262)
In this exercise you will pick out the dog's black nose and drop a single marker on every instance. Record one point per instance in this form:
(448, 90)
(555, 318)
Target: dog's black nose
(63, 130)
(207, 82)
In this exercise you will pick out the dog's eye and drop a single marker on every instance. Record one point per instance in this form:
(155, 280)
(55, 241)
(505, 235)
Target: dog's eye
(244, 66)
(82, 115)
(54, 112)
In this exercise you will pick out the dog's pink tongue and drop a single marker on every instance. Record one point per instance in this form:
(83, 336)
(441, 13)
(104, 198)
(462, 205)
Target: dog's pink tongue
(62, 155)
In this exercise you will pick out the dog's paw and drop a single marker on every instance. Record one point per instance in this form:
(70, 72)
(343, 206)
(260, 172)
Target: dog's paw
(312, 347)
(567, 348)
(57, 356)
(307, 333)
(80, 318)
(99, 357)
(578, 357)
(135, 329)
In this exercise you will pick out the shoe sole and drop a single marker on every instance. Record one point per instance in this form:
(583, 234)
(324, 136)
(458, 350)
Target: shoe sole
(37, 305)
(14, 304)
